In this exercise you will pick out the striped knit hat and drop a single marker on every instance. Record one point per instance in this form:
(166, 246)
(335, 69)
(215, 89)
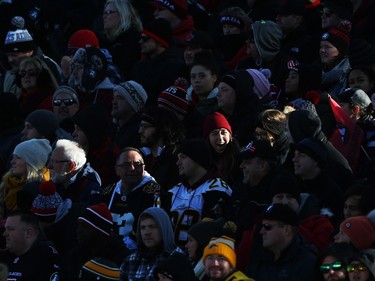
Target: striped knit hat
(223, 246)
(99, 217)
(99, 269)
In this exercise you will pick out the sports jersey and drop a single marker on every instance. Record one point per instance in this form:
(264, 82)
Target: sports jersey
(189, 206)
(126, 208)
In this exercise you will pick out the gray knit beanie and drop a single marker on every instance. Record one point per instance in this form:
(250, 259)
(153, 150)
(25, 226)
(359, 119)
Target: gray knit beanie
(134, 94)
(34, 152)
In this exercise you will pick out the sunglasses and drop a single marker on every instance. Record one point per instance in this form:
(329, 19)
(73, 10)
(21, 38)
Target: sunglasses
(30, 72)
(326, 13)
(127, 165)
(67, 102)
(354, 266)
(336, 266)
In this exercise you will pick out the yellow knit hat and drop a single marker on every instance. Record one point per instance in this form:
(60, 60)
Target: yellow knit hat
(223, 246)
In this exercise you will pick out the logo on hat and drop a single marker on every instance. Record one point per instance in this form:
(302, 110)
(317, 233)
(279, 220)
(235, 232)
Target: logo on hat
(325, 36)
(250, 147)
(213, 245)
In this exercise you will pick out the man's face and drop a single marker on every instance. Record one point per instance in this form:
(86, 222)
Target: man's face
(250, 169)
(286, 199)
(120, 106)
(64, 106)
(130, 168)
(148, 45)
(15, 235)
(351, 206)
(226, 97)
(189, 54)
(217, 267)
(147, 134)
(15, 59)
(186, 166)
(303, 164)
(272, 234)
(164, 13)
(80, 136)
(29, 132)
(150, 233)
(288, 23)
(333, 274)
(58, 166)
(329, 19)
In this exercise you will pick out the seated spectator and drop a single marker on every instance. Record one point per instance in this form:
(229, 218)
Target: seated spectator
(175, 267)
(361, 266)
(174, 99)
(99, 269)
(20, 184)
(362, 77)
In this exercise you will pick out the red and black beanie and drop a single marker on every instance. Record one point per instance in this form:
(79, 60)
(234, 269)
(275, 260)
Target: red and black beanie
(339, 38)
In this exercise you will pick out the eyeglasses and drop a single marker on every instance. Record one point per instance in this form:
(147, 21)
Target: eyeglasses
(336, 266)
(127, 165)
(54, 161)
(109, 12)
(30, 72)
(67, 102)
(145, 38)
(327, 13)
(354, 266)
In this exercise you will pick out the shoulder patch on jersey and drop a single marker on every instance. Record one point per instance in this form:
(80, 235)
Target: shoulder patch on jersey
(151, 187)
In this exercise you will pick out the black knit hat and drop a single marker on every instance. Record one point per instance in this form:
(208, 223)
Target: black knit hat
(203, 231)
(99, 269)
(198, 150)
(282, 213)
(44, 121)
(286, 183)
(315, 149)
(160, 31)
(176, 267)
(303, 124)
(339, 38)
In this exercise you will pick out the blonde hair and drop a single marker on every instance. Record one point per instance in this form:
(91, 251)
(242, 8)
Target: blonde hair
(128, 18)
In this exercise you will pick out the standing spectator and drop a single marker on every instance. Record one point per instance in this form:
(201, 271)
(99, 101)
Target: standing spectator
(334, 48)
(155, 243)
(176, 13)
(29, 256)
(72, 174)
(160, 134)
(92, 132)
(132, 194)
(199, 195)
(160, 66)
(37, 85)
(122, 28)
(128, 101)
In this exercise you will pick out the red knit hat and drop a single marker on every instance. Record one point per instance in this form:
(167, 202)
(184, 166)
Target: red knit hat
(215, 121)
(99, 217)
(174, 98)
(83, 38)
(360, 231)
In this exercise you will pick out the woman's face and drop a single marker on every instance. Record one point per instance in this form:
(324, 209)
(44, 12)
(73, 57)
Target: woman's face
(230, 29)
(226, 97)
(219, 139)
(332, 269)
(357, 271)
(292, 82)
(29, 75)
(202, 80)
(18, 166)
(192, 247)
(111, 17)
(359, 80)
(328, 53)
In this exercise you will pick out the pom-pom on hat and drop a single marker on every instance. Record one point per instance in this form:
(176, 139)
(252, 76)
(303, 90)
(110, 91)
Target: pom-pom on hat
(282, 213)
(99, 217)
(360, 231)
(18, 40)
(198, 150)
(174, 98)
(46, 202)
(83, 38)
(100, 269)
(134, 94)
(34, 152)
(215, 121)
(223, 246)
(339, 38)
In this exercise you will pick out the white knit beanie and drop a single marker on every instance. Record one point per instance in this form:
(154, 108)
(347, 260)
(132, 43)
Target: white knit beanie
(134, 94)
(261, 83)
(34, 152)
